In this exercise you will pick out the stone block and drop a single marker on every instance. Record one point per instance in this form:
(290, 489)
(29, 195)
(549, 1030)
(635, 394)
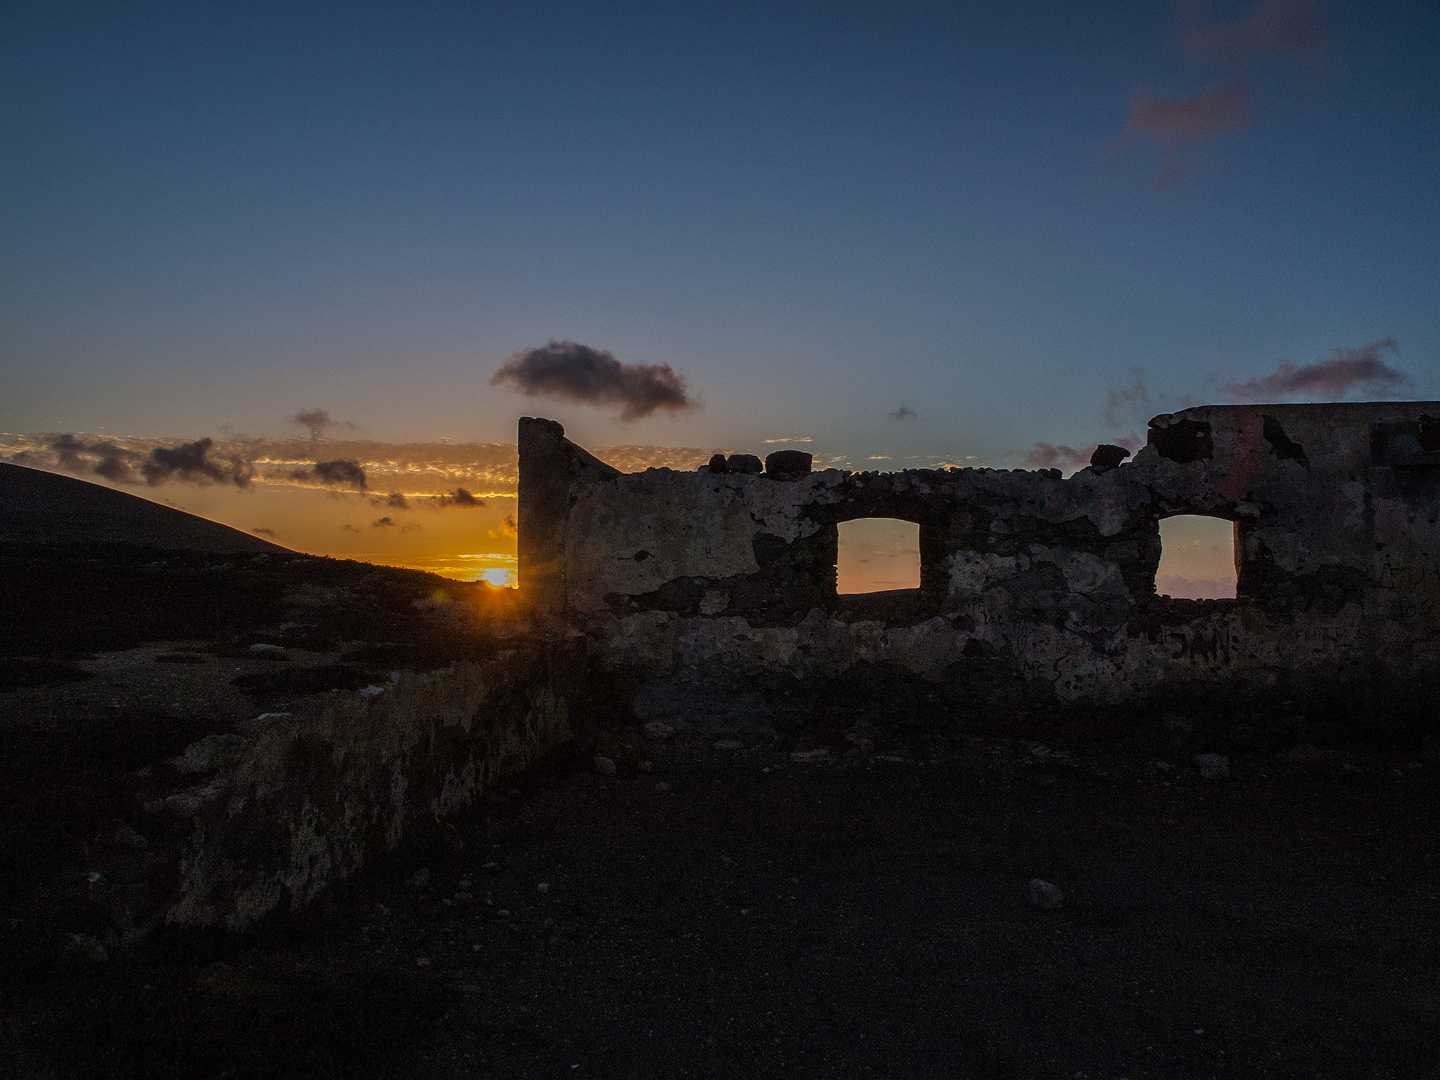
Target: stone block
(788, 464)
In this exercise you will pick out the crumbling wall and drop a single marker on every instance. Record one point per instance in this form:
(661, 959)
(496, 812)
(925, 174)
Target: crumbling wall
(1031, 584)
(304, 801)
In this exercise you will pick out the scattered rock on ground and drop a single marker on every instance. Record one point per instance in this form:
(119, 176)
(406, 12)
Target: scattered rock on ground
(1179, 728)
(127, 837)
(187, 804)
(604, 765)
(802, 757)
(658, 729)
(1213, 766)
(419, 879)
(87, 948)
(211, 754)
(1304, 758)
(729, 744)
(1045, 896)
(228, 983)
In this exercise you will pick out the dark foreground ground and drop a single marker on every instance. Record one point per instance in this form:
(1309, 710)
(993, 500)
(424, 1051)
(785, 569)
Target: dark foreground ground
(863, 915)
(824, 920)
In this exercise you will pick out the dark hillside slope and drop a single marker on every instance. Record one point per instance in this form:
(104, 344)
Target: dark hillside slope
(46, 508)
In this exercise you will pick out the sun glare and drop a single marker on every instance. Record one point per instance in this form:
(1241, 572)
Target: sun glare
(500, 576)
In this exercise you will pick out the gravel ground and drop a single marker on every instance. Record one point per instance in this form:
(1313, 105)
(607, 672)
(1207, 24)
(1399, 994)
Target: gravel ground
(734, 912)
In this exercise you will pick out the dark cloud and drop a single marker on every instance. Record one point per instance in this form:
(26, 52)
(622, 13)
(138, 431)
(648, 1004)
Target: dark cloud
(574, 372)
(510, 527)
(264, 532)
(1049, 456)
(350, 528)
(192, 462)
(1296, 29)
(904, 412)
(395, 500)
(1345, 370)
(1131, 399)
(70, 450)
(342, 472)
(1173, 124)
(318, 421)
(424, 471)
(114, 465)
(461, 498)
(103, 458)
(390, 523)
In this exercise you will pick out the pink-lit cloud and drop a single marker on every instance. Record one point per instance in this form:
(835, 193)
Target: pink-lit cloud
(1269, 30)
(1361, 369)
(1045, 455)
(1127, 401)
(1295, 29)
(1051, 456)
(1174, 124)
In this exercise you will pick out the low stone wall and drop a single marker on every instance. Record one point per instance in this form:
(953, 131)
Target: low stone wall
(1307, 679)
(302, 801)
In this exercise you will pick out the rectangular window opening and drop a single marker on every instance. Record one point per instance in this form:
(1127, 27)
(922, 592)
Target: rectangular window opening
(1197, 558)
(877, 555)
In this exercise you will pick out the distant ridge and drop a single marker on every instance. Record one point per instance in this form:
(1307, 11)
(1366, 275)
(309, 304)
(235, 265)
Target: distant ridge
(47, 508)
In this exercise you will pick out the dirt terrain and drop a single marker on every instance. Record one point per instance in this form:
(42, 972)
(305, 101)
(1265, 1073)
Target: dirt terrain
(711, 918)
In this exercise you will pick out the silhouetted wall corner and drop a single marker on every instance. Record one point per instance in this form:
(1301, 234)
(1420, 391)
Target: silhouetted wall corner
(1033, 587)
(550, 467)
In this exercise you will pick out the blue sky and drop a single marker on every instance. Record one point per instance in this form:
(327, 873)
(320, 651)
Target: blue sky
(218, 214)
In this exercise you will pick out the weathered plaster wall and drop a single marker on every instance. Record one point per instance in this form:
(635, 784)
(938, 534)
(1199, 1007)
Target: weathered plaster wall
(306, 801)
(1028, 580)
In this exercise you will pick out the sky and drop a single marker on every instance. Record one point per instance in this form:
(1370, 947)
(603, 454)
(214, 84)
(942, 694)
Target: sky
(896, 234)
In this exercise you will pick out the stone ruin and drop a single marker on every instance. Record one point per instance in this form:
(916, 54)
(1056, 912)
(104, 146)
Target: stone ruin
(708, 598)
(707, 601)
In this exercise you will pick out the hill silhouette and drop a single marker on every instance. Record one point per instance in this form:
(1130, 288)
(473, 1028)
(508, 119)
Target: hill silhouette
(47, 508)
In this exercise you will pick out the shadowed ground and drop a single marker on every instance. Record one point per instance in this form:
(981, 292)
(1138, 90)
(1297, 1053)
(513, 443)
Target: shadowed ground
(862, 919)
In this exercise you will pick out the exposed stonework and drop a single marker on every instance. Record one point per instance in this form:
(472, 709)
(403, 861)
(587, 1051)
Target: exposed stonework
(306, 801)
(719, 584)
